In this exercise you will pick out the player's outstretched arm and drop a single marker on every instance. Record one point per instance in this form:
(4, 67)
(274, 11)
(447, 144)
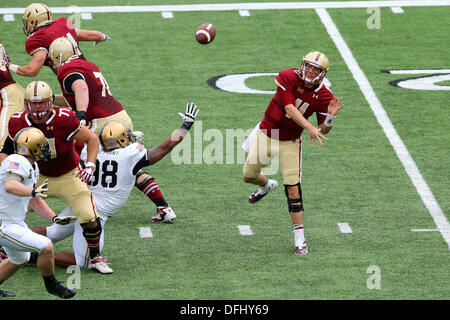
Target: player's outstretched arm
(92, 35)
(157, 153)
(33, 67)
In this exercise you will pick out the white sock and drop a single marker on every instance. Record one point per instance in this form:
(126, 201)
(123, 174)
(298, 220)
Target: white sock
(299, 235)
(269, 186)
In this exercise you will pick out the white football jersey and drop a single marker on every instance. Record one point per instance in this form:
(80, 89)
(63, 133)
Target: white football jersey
(12, 207)
(113, 179)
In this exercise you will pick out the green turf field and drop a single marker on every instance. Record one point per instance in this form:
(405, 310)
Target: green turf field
(154, 66)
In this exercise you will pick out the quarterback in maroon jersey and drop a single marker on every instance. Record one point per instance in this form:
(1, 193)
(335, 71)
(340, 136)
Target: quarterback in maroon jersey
(300, 93)
(41, 30)
(67, 180)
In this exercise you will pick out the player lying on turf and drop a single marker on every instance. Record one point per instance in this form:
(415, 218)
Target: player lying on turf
(119, 160)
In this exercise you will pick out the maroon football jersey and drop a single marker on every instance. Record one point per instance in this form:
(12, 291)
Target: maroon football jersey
(59, 130)
(43, 38)
(291, 90)
(101, 103)
(5, 78)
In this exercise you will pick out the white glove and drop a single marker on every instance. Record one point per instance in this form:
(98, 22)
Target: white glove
(86, 174)
(64, 220)
(138, 136)
(189, 116)
(4, 56)
(41, 190)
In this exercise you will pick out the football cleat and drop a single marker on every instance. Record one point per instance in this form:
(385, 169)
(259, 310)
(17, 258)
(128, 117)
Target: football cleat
(3, 255)
(58, 289)
(100, 265)
(261, 192)
(303, 249)
(5, 294)
(164, 214)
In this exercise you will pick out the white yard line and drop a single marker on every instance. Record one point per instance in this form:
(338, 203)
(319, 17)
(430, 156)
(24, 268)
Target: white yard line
(242, 6)
(402, 152)
(145, 232)
(344, 227)
(245, 230)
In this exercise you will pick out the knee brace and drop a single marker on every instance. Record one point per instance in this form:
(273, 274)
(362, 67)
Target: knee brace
(92, 233)
(293, 205)
(142, 184)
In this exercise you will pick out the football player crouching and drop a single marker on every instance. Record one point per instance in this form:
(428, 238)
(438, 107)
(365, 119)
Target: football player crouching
(119, 160)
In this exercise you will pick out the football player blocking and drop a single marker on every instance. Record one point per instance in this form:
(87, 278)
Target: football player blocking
(300, 93)
(18, 177)
(111, 189)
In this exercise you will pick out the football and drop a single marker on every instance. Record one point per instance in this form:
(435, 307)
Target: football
(205, 33)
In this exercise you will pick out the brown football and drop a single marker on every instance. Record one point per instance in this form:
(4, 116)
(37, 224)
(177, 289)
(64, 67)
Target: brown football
(205, 33)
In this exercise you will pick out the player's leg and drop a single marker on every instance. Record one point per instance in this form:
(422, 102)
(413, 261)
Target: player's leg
(20, 241)
(259, 156)
(76, 194)
(290, 163)
(148, 186)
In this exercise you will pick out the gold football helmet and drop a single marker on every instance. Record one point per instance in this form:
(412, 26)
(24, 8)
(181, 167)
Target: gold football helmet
(31, 142)
(61, 50)
(316, 59)
(115, 135)
(36, 15)
(38, 99)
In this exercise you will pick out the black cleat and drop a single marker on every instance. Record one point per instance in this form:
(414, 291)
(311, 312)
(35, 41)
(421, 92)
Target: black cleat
(4, 294)
(60, 290)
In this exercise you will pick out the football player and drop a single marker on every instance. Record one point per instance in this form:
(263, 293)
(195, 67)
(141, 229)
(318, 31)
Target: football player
(41, 30)
(18, 177)
(85, 90)
(67, 178)
(119, 160)
(11, 95)
(300, 93)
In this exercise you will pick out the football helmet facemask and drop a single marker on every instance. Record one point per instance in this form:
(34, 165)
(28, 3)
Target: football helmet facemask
(61, 50)
(38, 92)
(115, 135)
(31, 142)
(36, 15)
(316, 59)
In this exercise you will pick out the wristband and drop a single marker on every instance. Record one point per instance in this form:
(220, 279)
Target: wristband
(187, 126)
(90, 164)
(329, 121)
(81, 115)
(33, 193)
(13, 67)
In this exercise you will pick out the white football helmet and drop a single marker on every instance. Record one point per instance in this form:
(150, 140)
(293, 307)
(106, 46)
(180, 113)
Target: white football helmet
(36, 15)
(316, 59)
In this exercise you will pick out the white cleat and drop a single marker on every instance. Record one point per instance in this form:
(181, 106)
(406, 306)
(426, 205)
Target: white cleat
(100, 265)
(303, 249)
(261, 192)
(164, 214)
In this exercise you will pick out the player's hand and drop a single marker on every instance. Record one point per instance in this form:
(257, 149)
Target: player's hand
(189, 116)
(138, 136)
(315, 136)
(81, 115)
(334, 106)
(86, 174)
(5, 61)
(41, 190)
(64, 220)
(106, 38)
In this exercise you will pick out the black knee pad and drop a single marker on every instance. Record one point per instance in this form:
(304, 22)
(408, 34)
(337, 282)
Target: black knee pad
(140, 173)
(94, 232)
(293, 205)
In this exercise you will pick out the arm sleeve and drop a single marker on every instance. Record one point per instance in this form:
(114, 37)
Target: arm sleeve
(8, 146)
(69, 80)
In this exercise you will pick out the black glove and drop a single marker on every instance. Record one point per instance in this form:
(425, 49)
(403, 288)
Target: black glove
(81, 115)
